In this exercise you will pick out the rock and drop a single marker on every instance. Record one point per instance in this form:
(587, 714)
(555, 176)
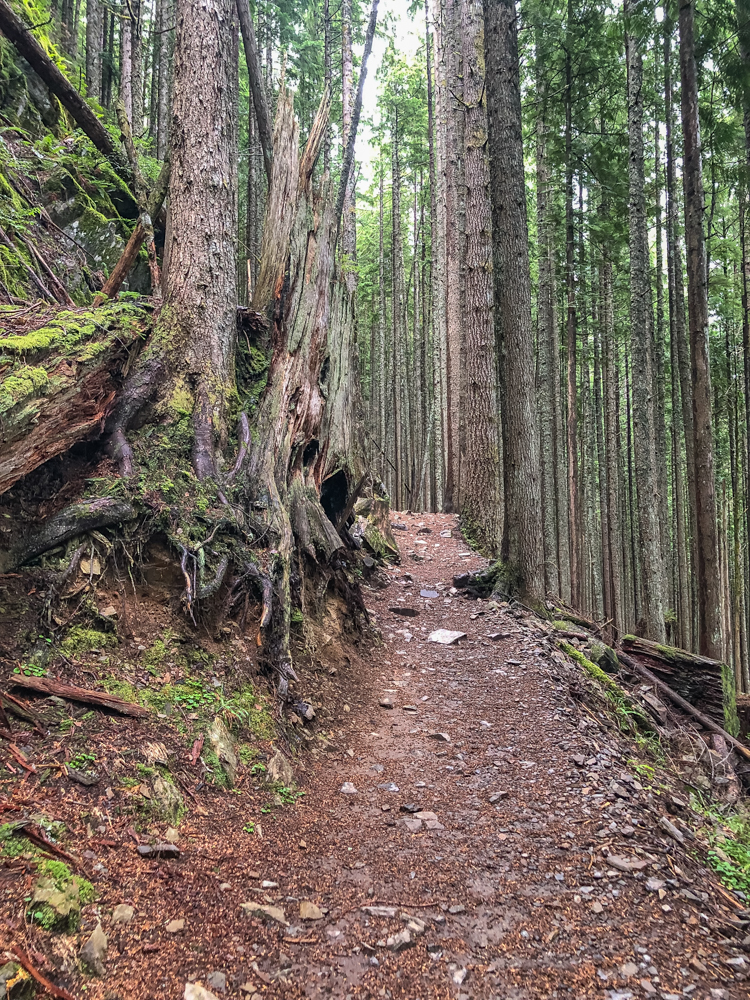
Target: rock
(400, 941)
(305, 709)
(695, 963)
(172, 835)
(409, 807)
(654, 884)
(167, 799)
(457, 908)
(389, 786)
(385, 702)
(404, 612)
(671, 829)
(348, 788)
(425, 816)
(429, 594)
(217, 981)
(195, 992)
(159, 850)
(459, 976)
(626, 864)
(122, 914)
(175, 926)
(94, 951)
(628, 970)
(280, 769)
(619, 790)
(399, 526)
(440, 737)
(412, 825)
(309, 911)
(223, 746)
(596, 907)
(268, 884)
(655, 706)
(497, 796)
(445, 637)
(386, 912)
(82, 777)
(268, 913)
(578, 759)
(648, 987)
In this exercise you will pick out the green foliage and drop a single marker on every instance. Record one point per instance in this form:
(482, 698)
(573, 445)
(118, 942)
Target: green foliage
(80, 640)
(82, 761)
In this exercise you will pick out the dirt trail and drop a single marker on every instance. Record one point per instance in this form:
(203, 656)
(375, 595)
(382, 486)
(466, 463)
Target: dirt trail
(509, 880)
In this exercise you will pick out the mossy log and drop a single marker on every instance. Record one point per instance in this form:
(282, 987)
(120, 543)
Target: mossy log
(58, 382)
(707, 684)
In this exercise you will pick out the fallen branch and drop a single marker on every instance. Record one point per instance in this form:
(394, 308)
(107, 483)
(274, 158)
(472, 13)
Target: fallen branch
(678, 700)
(55, 991)
(99, 699)
(22, 710)
(36, 835)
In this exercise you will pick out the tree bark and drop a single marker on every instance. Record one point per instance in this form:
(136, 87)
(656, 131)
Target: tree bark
(349, 229)
(94, 48)
(709, 583)
(257, 88)
(523, 510)
(652, 576)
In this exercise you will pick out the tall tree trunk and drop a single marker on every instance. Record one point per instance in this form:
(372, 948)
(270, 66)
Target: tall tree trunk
(546, 332)
(709, 583)
(349, 228)
(163, 99)
(327, 79)
(649, 530)
(611, 433)
(136, 67)
(94, 49)
(126, 65)
(398, 315)
(523, 538)
(574, 512)
(382, 321)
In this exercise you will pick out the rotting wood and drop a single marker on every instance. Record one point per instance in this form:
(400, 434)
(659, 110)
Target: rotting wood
(681, 702)
(56, 991)
(704, 682)
(99, 699)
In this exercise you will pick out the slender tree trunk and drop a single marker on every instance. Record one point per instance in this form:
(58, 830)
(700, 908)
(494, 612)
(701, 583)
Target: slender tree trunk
(709, 584)
(397, 309)
(349, 229)
(136, 68)
(652, 579)
(94, 49)
(546, 333)
(126, 65)
(382, 321)
(611, 433)
(523, 536)
(327, 79)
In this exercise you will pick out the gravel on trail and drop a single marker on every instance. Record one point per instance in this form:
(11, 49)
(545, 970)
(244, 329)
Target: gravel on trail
(471, 832)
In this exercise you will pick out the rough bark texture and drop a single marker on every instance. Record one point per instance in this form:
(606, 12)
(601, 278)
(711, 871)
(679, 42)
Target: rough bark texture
(257, 87)
(94, 48)
(523, 509)
(709, 583)
(348, 224)
(640, 331)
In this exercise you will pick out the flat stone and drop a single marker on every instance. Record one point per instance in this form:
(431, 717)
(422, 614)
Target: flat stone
(648, 987)
(671, 829)
(412, 825)
(445, 637)
(175, 926)
(424, 816)
(596, 907)
(217, 981)
(497, 796)
(82, 777)
(348, 788)
(440, 737)
(400, 941)
(122, 914)
(457, 908)
(626, 864)
(309, 911)
(387, 912)
(628, 970)
(404, 612)
(271, 914)
(172, 835)
(654, 884)
(385, 702)
(429, 594)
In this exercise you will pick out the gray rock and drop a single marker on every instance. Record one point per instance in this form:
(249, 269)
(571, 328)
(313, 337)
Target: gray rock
(82, 777)
(217, 981)
(400, 941)
(388, 912)
(94, 951)
(122, 914)
(223, 746)
(159, 851)
(280, 770)
(348, 788)
(195, 992)
(385, 701)
(166, 799)
(628, 970)
(671, 829)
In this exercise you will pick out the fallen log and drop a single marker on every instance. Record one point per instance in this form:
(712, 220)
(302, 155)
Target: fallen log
(707, 684)
(99, 699)
(59, 383)
(665, 689)
(56, 991)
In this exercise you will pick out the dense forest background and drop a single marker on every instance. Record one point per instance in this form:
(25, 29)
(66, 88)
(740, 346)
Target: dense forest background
(633, 151)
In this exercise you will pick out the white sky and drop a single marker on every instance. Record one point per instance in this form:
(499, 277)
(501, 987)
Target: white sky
(408, 36)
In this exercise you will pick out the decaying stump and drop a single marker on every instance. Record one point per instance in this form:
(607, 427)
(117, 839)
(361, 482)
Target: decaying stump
(707, 684)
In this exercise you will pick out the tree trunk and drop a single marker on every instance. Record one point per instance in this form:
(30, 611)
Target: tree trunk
(349, 229)
(94, 48)
(523, 510)
(652, 577)
(709, 583)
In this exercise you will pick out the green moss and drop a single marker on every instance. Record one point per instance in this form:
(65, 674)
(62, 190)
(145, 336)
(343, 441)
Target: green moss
(81, 640)
(58, 897)
(22, 383)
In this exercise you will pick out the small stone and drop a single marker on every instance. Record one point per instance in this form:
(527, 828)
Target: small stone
(425, 816)
(175, 926)
(94, 951)
(385, 702)
(457, 908)
(159, 850)
(440, 737)
(280, 770)
(400, 941)
(309, 911)
(445, 637)
(412, 825)
(172, 835)
(695, 963)
(195, 992)
(626, 864)
(671, 829)
(497, 796)
(596, 907)
(619, 790)
(268, 913)
(217, 981)
(628, 970)
(122, 914)
(348, 788)
(82, 777)
(655, 884)
(409, 807)
(459, 976)
(268, 884)
(404, 612)
(648, 987)
(386, 912)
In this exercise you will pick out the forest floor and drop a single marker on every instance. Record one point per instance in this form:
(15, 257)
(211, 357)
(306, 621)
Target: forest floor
(505, 839)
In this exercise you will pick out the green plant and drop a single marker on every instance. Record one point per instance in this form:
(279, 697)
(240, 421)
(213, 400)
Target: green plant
(82, 761)
(31, 670)
(257, 769)
(249, 828)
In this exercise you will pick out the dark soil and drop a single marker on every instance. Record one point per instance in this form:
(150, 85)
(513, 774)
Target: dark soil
(511, 883)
